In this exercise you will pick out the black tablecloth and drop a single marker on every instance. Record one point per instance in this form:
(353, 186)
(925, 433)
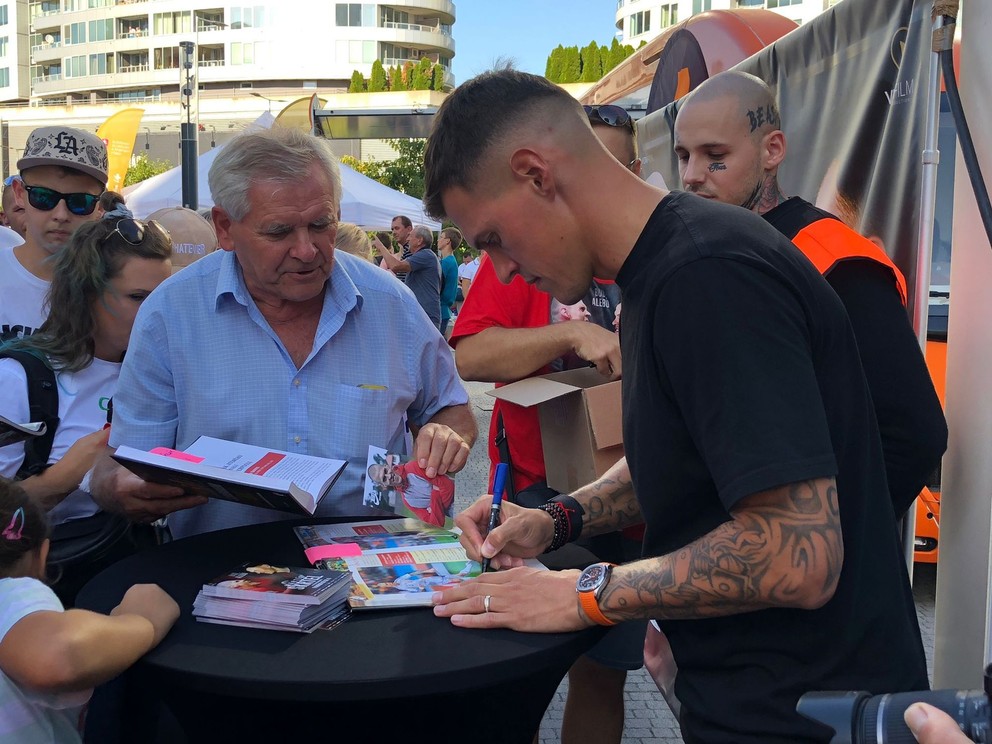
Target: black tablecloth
(390, 665)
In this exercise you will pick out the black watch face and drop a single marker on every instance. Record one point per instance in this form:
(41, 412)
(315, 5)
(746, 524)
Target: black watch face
(592, 577)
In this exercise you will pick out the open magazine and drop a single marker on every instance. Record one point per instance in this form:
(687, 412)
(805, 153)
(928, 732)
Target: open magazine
(238, 472)
(393, 562)
(11, 432)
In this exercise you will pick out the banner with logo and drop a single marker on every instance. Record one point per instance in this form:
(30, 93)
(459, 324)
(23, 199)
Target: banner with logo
(851, 86)
(119, 133)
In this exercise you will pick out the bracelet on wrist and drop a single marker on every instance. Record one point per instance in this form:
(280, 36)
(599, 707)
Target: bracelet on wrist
(567, 515)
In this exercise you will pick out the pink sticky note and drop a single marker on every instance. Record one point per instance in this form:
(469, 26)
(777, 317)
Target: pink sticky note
(177, 454)
(338, 550)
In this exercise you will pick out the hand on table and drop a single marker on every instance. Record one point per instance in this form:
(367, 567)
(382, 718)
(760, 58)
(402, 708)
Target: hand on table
(526, 599)
(933, 726)
(439, 449)
(522, 533)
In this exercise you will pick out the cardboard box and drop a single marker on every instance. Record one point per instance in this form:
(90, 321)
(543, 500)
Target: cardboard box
(580, 416)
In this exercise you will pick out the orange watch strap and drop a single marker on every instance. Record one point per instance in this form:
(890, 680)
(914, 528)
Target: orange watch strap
(591, 607)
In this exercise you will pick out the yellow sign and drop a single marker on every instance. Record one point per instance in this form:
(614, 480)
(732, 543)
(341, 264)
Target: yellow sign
(118, 133)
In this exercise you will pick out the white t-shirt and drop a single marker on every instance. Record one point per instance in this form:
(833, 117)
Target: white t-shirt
(467, 270)
(83, 400)
(9, 238)
(28, 717)
(22, 295)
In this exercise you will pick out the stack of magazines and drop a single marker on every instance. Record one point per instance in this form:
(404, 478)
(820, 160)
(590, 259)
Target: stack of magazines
(275, 598)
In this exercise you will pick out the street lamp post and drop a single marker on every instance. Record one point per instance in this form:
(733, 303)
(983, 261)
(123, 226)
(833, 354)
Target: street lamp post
(268, 100)
(187, 139)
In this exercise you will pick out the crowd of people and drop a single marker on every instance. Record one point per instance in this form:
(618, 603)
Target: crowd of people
(778, 416)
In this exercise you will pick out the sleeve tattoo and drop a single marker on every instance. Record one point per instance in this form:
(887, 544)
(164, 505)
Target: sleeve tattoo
(781, 547)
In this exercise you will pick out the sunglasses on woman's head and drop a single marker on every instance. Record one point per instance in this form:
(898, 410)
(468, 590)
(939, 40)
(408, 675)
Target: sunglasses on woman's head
(46, 199)
(131, 231)
(610, 115)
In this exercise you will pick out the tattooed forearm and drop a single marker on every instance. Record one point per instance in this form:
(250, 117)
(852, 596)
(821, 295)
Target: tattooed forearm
(782, 548)
(609, 501)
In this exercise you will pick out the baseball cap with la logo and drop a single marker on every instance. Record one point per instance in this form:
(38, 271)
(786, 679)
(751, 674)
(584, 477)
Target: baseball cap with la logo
(66, 147)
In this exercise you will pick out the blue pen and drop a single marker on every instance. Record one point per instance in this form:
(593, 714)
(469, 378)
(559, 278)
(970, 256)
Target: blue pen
(499, 484)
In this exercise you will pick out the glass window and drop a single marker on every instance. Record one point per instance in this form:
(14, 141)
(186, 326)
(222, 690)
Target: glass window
(75, 66)
(166, 58)
(172, 23)
(368, 14)
(75, 33)
(237, 53)
(669, 15)
(3, 46)
(640, 23)
(102, 30)
(4, 77)
(3, 14)
(354, 14)
(698, 6)
(101, 64)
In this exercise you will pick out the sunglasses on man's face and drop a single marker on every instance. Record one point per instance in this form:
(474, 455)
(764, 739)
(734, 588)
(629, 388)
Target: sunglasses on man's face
(610, 115)
(46, 199)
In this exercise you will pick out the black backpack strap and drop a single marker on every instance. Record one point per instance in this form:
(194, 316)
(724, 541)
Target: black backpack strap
(43, 400)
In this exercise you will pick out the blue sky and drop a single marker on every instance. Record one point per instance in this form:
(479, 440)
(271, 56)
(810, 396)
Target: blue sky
(525, 31)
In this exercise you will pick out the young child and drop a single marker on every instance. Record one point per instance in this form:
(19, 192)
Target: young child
(50, 658)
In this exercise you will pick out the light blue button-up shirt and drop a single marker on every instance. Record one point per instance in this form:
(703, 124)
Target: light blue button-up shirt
(202, 360)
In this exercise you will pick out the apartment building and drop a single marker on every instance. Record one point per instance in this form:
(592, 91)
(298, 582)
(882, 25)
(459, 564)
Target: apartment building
(643, 20)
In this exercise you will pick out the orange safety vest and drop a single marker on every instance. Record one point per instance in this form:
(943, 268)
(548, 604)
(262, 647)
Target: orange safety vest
(828, 241)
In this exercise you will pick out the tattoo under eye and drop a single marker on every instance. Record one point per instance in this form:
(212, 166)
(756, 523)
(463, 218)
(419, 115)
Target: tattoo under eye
(714, 167)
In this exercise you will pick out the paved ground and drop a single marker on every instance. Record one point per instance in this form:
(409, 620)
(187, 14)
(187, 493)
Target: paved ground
(648, 720)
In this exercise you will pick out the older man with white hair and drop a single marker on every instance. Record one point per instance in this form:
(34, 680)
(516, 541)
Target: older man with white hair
(275, 341)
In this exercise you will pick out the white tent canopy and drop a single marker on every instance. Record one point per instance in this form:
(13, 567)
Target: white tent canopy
(365, 202)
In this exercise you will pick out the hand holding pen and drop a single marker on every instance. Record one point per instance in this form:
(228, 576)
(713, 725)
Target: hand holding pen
(499, 485)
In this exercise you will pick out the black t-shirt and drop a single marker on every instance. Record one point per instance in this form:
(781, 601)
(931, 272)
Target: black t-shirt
(741, 374)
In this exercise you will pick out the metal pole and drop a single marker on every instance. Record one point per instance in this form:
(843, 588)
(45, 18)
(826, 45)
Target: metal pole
(188, 134)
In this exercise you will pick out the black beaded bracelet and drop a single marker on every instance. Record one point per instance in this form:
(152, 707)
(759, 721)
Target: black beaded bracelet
(567, 515)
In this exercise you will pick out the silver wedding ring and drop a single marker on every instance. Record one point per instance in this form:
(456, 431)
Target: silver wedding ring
(485, 602)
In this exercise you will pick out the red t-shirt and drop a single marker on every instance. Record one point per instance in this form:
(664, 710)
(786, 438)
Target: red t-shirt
(489, 304)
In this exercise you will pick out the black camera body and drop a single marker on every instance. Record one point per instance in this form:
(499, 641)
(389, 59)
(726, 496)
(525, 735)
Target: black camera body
(861, 718)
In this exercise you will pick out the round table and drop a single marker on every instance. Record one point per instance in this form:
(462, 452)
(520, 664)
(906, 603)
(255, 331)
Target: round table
(382, 673)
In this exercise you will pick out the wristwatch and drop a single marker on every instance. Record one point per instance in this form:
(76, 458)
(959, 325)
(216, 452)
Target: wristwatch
(592, 581)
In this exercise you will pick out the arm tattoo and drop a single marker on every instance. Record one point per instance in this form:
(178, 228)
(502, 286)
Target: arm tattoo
(609, 502)
(781, 548)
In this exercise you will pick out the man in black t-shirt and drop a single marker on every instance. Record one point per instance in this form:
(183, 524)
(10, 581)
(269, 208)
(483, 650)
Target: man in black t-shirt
(753, 456)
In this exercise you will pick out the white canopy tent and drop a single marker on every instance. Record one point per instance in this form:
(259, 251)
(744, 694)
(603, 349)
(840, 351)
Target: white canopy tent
(365, 202)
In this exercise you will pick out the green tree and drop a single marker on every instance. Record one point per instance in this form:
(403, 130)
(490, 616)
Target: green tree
(405, 173)
(552, 71)
(395, 78)
(408, 68)
(357, 83)
(377, 80)
(571, 67)
(438, 72)
(143, 168)
(422, 74)
(592, 64)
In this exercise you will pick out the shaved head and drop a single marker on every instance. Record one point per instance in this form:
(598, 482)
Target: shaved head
(755, 100)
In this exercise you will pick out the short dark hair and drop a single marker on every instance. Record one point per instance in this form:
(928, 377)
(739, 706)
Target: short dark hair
(471, 120)
(404, 220)
(454, 235)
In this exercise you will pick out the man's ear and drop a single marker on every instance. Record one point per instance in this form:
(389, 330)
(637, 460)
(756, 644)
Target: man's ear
(20, 195)
(773, 148)
(529, 166)
(223, 224)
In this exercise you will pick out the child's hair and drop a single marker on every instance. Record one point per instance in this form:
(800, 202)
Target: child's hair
(95, 255)
(23, 525)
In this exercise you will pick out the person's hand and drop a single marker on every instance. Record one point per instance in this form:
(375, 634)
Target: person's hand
(521, 533)
(526, 599)
(377, 244)
(439, 450)
(65, 475)
(119, 490)
(596, 345)
(931, 725)
(151, 602)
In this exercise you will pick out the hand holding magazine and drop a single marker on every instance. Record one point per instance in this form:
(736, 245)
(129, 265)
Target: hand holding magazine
(237, 472)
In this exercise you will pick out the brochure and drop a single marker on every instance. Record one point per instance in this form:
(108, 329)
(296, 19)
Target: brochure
(404, 488)
(11, 432)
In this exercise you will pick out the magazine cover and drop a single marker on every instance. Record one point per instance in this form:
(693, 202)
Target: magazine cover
(276, 584)
(381, 582)
(404, 488)
(387, 534)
